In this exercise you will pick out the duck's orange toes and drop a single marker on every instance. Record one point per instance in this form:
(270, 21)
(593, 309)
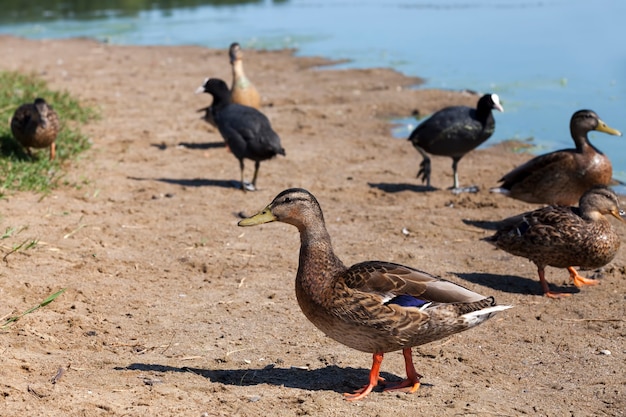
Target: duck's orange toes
(362, 393)
(579, 280)
(408, 385)
(374, 380)
(552, 294)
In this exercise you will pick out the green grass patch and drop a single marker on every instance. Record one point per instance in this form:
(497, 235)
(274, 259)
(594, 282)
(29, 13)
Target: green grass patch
(17, 170)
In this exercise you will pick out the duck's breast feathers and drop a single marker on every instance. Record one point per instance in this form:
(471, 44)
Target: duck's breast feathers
(389, 281)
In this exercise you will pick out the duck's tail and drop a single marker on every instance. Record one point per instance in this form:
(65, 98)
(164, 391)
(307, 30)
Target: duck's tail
(474, 318)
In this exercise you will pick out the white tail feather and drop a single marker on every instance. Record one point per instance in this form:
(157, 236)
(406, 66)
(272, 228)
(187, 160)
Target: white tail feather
(477, 317)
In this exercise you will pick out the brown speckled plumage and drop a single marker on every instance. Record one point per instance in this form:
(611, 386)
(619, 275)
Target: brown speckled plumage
(561, 177)
(357, 306)
(36, 125)
(564, 237)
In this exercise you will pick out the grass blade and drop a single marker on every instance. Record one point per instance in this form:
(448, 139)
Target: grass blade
(44, 303)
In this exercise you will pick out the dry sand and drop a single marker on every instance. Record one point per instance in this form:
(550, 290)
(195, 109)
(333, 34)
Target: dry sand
(172, 310)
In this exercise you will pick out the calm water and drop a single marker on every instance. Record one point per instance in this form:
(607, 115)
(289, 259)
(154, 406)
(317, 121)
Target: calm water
(546, 59)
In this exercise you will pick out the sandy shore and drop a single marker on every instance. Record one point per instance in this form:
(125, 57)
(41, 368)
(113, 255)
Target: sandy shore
(172, 310)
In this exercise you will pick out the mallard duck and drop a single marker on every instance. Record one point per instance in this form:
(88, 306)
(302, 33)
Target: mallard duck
(565, 237)
(455, 131)
(373, 306)
(242, 91)
(36, 125)
(561, 177)
(246, 131)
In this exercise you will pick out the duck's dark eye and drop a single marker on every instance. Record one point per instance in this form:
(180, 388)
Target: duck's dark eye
(287, 200)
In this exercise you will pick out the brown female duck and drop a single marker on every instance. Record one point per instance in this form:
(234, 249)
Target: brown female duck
(565, 236)
(373, 306)
(561, 177)
(36, 125)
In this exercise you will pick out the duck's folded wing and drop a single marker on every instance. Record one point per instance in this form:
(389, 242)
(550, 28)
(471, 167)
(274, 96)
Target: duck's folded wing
(537, 166)
(390, 280)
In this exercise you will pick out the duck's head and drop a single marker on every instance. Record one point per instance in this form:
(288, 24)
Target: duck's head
(235, 52)
(293, 206)
(600, 200)
(584, 121)
(42, 110)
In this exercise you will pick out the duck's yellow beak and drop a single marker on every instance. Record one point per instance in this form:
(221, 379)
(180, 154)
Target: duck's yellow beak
(263, 216)
(603, 127)
(619, 214)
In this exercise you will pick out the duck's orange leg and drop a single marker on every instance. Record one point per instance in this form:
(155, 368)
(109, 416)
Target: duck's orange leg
(579, 280)
(52, 151)
(374, 380)
(546, 289)
(412, 381)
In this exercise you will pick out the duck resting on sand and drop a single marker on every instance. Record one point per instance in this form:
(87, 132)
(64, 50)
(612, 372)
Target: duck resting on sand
(373, 306)
(561, 177)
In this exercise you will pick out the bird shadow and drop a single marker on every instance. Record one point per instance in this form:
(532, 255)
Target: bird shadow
(193, 182)
(203, 146)
(398, 187)
(191, 145)
(10, 148)
(512, 284)
(329, 378)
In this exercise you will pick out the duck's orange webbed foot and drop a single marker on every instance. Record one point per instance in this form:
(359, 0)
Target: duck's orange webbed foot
(579, 280)
(408, 385)
(412, 381)
(374, 380)
(556, 295)
(546, 288)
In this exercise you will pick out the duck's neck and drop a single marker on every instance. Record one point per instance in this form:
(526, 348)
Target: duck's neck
(318, 266)
(239, 76)
(582, 141)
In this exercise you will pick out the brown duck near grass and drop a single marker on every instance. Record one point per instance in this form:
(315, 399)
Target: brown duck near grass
(36, 125)
(565, 237)
(455, 131)
(561, 177)
(374, 306)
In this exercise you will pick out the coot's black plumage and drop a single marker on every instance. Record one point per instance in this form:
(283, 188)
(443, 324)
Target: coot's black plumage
(454, 131)
(246, 131)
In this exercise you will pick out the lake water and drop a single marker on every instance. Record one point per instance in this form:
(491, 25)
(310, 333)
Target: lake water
(546, 59)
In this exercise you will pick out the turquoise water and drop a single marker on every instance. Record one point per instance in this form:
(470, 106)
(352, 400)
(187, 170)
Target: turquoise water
(546, 59)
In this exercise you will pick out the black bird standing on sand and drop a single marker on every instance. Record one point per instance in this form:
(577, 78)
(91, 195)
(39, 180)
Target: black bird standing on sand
(246, 131)
(455, 131)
